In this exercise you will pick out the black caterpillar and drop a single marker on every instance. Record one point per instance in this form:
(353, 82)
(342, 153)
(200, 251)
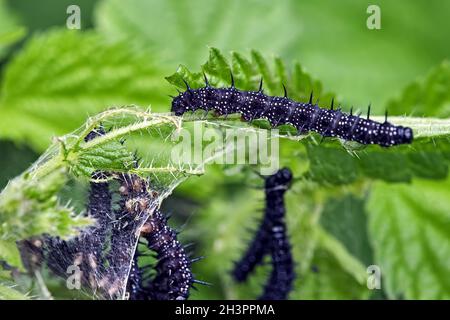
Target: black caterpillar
(271, 238)
(282, 110)
(173, 278)
(86, 250)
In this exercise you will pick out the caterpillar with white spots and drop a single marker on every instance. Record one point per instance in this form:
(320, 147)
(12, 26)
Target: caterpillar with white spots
(304, 116)
(173, 279)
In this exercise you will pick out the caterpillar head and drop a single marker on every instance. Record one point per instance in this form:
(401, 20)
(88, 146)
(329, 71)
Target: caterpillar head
(390, 135)
(184, 102)
(282, 178)
(406, 134)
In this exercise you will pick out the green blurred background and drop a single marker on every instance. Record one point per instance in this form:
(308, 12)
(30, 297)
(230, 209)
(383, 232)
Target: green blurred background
(52, 78)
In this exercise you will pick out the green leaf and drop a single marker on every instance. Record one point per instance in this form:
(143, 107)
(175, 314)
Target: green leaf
(330, 164)
(410, 232)
(29, 207)
(329, 281)
(247, 75)
(112, 156)
(347, 261)
(10, 29)
(345, 219)
(429, 96)
(9, 251)
(291, 29)
(14, 160)
(36, 19)
(7, 292)
(49, 90)
(333, 166)
(182, 30)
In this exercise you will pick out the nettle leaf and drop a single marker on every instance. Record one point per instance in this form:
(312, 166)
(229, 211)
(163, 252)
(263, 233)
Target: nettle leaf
(248, 73)
(328, 280)
(410, 231)
(224, 242)
(333, 165)
(62, 76)
(426, 97)
(7, 292)
(10, 29)
(185, 28)
(112, 156)
(345, 219)
(29, 207)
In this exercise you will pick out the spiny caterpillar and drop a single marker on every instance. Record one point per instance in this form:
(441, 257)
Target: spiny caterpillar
(173, 278)
(271, 238)
(282, 110)
(86, 250)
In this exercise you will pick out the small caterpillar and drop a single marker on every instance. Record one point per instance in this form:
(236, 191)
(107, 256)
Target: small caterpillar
(85, 250)
(174, 278)
(280, 281)
(271, 238)
(282, 110)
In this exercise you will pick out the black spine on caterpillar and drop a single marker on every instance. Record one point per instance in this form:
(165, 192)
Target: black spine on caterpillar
(282, 110)
(282, 276)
